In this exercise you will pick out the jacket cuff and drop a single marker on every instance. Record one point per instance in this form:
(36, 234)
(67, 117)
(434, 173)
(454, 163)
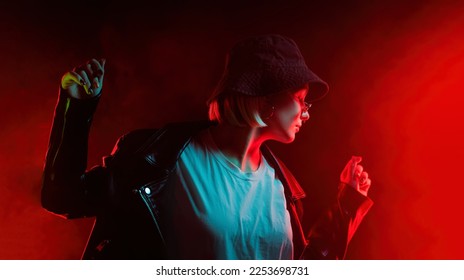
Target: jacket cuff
(351, 201)
(76, 109)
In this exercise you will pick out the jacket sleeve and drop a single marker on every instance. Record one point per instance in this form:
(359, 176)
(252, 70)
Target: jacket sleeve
(330, 235)
(67, 189)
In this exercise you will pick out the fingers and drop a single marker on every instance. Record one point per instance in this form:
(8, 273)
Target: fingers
(358, 170)
(354, 165)
(356, 159)
(98, 70)
(365, 184)
(91, 74)
(348, 173)
(364, 187)
(363, 175)
(86, 84)
(93, 67)
(71, 78)
(102, 62)
(99, 66)
(354, 175)
(363, 178)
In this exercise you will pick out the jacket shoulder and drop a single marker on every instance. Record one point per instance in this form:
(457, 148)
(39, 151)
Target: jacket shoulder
(160, 142)
(129, 142)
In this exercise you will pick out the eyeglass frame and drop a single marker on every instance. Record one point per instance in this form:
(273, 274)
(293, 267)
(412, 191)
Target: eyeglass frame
(306, 107)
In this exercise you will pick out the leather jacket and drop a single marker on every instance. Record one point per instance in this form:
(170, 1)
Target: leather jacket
(124, 192)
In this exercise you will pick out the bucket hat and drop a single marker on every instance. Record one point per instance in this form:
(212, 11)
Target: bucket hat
(267, 64)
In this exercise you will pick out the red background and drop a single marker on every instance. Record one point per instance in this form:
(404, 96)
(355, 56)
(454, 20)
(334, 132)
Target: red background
(395, 72)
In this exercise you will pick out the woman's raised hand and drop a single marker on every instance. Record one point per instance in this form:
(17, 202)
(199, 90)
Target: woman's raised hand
(354, 175)
(86, 80)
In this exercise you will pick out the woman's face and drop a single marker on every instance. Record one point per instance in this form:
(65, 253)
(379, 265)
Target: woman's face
(288, 117)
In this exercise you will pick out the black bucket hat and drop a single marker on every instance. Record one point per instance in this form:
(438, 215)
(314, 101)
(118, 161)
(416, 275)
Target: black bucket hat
(265, 65)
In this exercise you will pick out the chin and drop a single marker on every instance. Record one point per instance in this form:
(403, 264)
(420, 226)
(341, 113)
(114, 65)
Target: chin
(287, 139)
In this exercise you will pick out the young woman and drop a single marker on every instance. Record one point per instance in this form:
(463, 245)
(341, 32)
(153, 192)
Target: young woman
(203, 190)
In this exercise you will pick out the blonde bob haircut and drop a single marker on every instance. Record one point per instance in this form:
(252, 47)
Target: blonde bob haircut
(238, 109)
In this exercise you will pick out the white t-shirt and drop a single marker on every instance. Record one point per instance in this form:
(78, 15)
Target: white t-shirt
(213, 210)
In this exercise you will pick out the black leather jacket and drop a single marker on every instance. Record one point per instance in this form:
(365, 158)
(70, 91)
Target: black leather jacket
(124, 192)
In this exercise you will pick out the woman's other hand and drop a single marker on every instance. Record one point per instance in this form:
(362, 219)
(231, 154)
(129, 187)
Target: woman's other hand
(354, 175)
(86, 80)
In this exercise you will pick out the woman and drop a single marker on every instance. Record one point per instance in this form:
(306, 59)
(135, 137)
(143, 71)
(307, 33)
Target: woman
(203, 190)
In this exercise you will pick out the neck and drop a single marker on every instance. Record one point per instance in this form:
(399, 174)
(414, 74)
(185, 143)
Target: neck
(240, 144)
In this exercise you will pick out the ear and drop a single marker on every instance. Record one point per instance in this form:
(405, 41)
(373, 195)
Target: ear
(267, 110)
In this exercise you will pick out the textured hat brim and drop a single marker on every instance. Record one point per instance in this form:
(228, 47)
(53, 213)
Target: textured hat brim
(318, 88)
